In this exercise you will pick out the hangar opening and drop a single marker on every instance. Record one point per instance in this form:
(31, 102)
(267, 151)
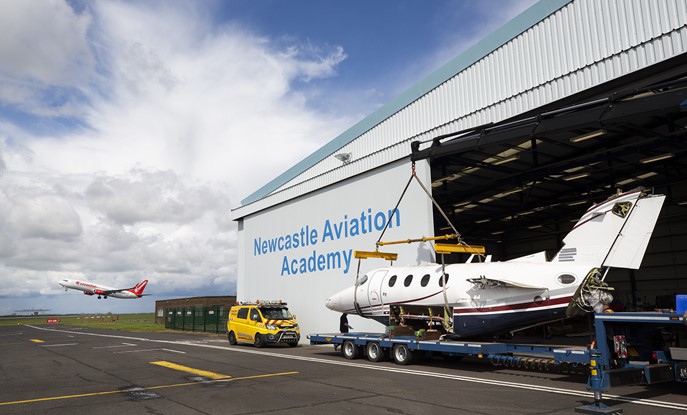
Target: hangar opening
(517, 187)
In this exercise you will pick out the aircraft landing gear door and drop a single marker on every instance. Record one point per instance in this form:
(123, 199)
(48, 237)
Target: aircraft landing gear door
(375, 291)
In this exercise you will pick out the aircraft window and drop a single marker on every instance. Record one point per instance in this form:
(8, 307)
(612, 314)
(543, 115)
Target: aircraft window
(566, 279)
(363, 280)
(392, 280)
(408, 280)
(242, 313)
(425, 280)
(441, 280)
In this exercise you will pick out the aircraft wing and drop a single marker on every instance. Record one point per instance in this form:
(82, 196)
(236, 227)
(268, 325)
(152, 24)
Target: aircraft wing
(110, 292)
(483, 282)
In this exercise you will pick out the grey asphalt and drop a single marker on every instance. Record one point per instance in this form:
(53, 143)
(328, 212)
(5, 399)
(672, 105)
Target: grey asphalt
(61, 370)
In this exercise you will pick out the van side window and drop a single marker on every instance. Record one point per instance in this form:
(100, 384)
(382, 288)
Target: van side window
(254, 315)
(243, 313)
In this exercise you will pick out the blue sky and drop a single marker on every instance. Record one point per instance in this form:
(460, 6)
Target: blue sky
(128, 130)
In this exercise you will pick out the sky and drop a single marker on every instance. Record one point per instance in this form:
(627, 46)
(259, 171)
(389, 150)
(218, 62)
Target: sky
(130, 129)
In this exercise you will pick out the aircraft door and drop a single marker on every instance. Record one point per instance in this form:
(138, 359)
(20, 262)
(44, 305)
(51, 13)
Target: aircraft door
(375, 289)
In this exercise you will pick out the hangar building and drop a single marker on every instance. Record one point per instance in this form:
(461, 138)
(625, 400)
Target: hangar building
(516, 137)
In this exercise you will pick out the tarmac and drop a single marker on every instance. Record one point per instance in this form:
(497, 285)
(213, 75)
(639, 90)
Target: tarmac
(59, 370)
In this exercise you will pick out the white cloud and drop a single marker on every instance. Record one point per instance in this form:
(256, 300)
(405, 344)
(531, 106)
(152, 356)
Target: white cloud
(176, 120)
(43, 45)
(45, 216)
(149, 197)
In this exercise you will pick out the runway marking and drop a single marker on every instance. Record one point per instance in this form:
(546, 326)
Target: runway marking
(559, 391)
(203, 373)
(152, 350)
(111, 347)
(60, 345)
(174, 385)
(37, 341)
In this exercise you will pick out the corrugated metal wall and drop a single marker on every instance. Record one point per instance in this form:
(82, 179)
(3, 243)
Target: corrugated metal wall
(584, 44)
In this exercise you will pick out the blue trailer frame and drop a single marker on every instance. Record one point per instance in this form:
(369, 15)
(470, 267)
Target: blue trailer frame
(606, 367)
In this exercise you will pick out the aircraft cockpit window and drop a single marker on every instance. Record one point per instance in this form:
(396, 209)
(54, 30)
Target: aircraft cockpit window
(566, 279)
(392, 280)
(363, 280)
(441, 280)
(408, 280)
(425, 280)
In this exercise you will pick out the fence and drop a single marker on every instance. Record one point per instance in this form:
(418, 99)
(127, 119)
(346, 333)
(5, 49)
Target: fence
(211, 319)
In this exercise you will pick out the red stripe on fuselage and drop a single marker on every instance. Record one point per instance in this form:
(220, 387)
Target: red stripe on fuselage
(512, 307)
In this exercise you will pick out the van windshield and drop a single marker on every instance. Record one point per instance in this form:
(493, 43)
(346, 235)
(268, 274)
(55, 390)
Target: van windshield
(276, 313)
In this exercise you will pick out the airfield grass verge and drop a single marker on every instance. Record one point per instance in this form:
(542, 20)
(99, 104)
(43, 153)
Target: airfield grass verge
(124, 322)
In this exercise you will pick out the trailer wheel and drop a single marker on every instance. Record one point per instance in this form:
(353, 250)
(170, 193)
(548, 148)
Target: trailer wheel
(232, 338)
(350, 350)
(402, 354)
(375, 352)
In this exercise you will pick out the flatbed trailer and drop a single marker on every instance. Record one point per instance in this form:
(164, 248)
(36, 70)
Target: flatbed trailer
(406, 349)
(622, 356)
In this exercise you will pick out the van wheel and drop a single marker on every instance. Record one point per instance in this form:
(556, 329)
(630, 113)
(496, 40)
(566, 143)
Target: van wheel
(232, 338)
(375, 352)
(259, 342)
(350, 350)
(402, 354)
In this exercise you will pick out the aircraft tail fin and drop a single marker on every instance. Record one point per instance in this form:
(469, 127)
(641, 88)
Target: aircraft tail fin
(614, 233)
(138, 288)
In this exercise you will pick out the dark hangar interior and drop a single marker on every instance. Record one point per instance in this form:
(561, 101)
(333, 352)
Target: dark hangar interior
(518, 186)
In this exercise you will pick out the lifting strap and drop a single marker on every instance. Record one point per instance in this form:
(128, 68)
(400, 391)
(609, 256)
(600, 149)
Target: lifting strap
(391, 257)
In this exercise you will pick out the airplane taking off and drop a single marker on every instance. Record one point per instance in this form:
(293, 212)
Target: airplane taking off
(90, 288)
(489, 298)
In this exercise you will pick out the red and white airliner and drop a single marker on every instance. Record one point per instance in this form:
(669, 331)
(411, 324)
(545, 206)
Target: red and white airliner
(90, 288)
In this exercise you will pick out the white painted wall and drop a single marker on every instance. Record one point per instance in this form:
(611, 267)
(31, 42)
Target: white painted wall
(328, 226)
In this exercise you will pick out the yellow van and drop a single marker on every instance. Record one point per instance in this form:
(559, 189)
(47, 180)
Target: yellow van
(261, 323)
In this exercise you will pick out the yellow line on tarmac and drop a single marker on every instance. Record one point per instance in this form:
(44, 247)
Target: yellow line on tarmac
(37, 341)
(54, 398)
(203, 373)
(174, 385)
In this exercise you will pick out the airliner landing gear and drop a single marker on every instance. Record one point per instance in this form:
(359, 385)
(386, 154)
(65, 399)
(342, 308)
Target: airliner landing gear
(98, 297)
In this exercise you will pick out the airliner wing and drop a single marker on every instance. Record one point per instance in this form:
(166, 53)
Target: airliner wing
(110, 292)
(483, 282)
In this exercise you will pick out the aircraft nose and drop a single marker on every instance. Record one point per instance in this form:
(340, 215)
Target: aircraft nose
(334, 302)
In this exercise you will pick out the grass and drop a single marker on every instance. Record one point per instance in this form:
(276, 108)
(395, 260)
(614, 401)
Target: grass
(126, 322)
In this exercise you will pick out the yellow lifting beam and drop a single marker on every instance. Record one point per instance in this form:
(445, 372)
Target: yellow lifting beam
(463, 249)
(389, 256)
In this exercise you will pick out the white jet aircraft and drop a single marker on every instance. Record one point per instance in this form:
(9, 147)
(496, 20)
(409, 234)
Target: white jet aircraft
(90, 288)
(488, 298)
